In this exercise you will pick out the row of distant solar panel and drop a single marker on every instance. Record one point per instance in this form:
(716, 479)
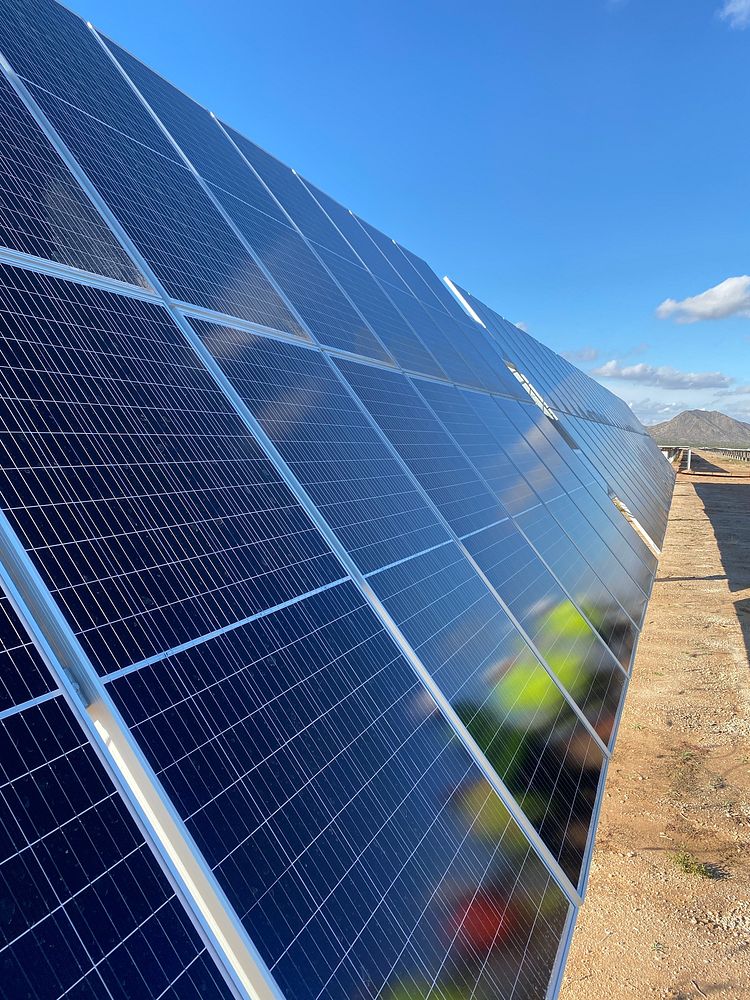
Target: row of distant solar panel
(169, 480)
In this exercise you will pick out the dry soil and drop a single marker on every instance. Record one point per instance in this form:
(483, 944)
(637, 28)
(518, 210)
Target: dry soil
(679, 780)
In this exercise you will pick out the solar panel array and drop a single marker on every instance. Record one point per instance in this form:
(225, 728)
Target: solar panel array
(318, 608)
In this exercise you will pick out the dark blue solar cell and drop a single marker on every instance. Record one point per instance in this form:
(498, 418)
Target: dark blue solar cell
(86, 910)
(171, 220)
(570, 647)
(347, 825)
(42, 210)
(380, 313)
(367, 243)
(451, 361)
(49, 45)
(307, 284)
(295, 198)
(478, 424)
(523, 724)
(444, 473)
(23, 674)
(262, 222)
(436, 287)
(150, 510)
(349, 226)
(361, 488)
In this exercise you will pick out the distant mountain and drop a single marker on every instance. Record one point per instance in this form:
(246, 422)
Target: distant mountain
(702, 427)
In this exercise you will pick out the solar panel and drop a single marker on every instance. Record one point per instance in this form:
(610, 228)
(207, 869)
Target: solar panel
(478, 422)
(434, 595)
(175, 226)
(354, 837)
(150, 511)
(85, 909)
(346, 618)
(369, 500)
(318, 300)
(43, 212)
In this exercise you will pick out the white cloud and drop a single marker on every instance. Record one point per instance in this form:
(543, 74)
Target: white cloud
(664, 377)
(654, 411)
(522, 326)
(736, 13)
(582, 354)
(729, 298)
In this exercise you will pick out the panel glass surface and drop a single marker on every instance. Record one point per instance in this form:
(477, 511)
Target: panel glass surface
(358, 843)
(50, 46)
(454, 487)
(171, 220)
(373, 506)
(295, 198)
(581, 661)
(42, 210)
(585, 512)
(149, 509)
(85, 909)
(529, 733)
(444, 608)
(288, 258)
(478, 421)
(349, 226)
(23, 675)
(380, 313)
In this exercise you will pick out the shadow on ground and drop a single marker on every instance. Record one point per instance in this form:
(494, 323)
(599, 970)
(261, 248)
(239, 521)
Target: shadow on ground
(726, 501)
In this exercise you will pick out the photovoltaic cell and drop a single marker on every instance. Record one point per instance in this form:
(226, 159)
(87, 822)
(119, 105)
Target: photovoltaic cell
(294, 197)
(519, 718)
(436, 287)
(286, 255)
(348, 827)
(377, 260)
(171, 220)
(380, 313)
(48, 45)
(23, 675)
(447, 354)
(85, 909)
(584, 666)
(149, 509)
(339, 806)
(453, 486)
(590, 499)
(373, 506)
(444, 608)
(42, 210)
(351, 229)
(477, 423)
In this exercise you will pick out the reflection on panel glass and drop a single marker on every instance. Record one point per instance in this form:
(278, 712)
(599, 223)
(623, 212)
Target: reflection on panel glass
(444, 473)
(581, 661)
(460, 632)
(362, 849)
(534, 740)
(52, 47)
(42, 210)
(171, 220)
(368, 499)
(149, 509)
(265, 226)
(583, 586)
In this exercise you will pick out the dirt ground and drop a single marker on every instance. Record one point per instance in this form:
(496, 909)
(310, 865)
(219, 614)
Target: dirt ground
(679, 780)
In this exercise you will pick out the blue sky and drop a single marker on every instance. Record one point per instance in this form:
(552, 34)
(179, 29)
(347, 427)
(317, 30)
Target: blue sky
(576, 165)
